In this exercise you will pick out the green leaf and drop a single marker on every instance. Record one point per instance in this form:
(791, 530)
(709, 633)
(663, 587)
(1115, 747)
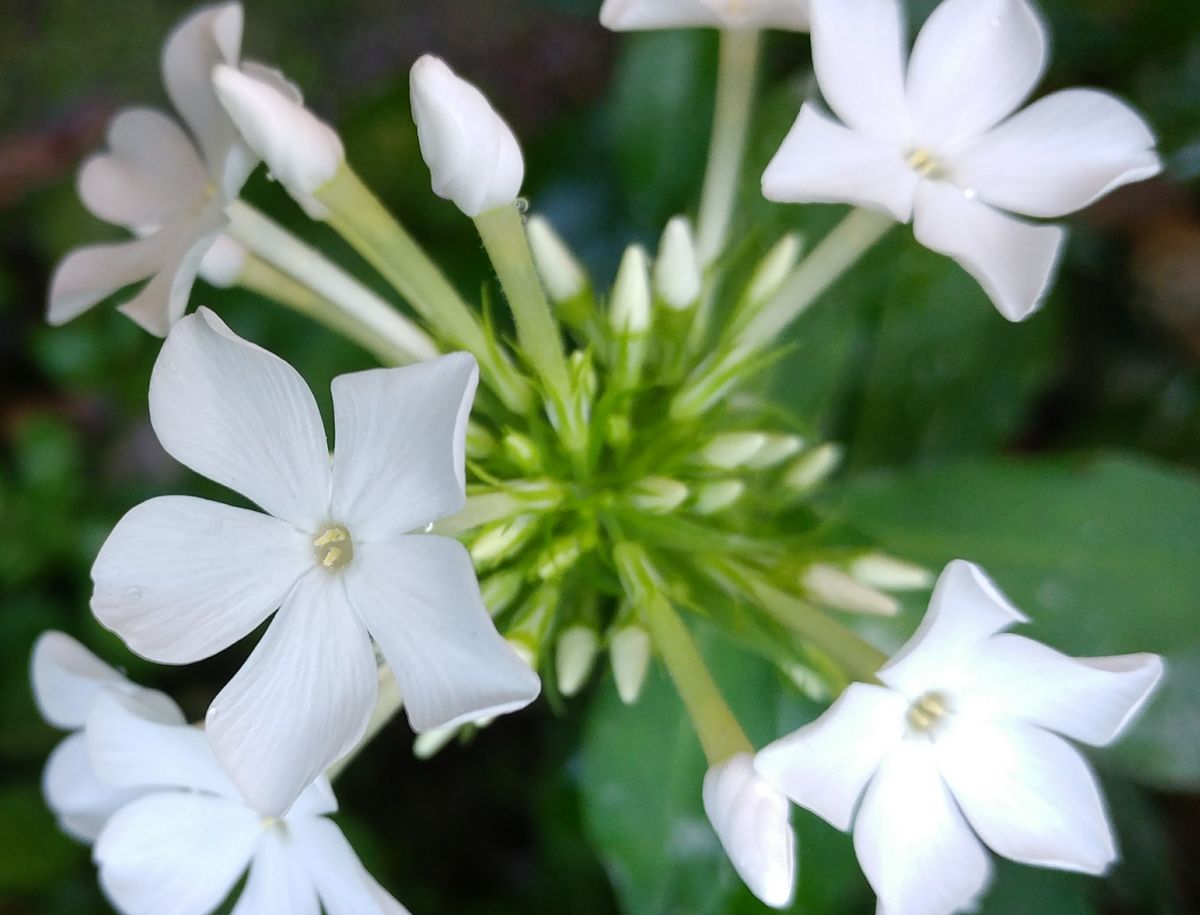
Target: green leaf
(1101, 554)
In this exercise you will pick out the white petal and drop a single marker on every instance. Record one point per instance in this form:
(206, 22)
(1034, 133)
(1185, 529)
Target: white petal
(1060, 154)
(858, 55)
(751, 820)
(91, 274)
(635, 15)
(81, 801)
(916, 849)
(180, 578)
(129, 750)
(316, 800)
(1028, 794)
(1087, 699)
(175, 853)
(401, 445)
(825, 765)
(1012, 260)
(973, 64)
(243, 417)
(279, 881)
(824, 162)
(343, 883)
(149, 177)
(302, 699)
(419, 597)
(966, 608)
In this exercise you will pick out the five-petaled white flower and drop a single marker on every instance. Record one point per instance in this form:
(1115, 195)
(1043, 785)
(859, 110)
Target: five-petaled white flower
(180, 578)
(938, 146)
(962, 740)
(751, 820)
(635, 15)
(168, 186)
(67, 679)
(181, 844)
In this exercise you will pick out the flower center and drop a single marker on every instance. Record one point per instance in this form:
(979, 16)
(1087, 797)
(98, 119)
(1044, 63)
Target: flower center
(924, 163)
(334, 548)
(926, 712)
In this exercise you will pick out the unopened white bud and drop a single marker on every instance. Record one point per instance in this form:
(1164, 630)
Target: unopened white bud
(300, 150)
(777, 449)
(429, 743)
(832, 587)
(629, 309)
(808, 681)
(480, 442)
(502, 540)
(523, 650)
(501, 589)
(718, 496)
(658, 495)
(472, 154)
(223, 263)
(523, 451)
(560, 271)
(629, 653)
(814, 468)
(731, 450)
(677, 278)
(889, 573)
(559, 557)
(575, 656)
(773, 269)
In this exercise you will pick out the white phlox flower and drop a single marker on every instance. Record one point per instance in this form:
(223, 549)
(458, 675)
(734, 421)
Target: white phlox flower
(751, 819)
(473, 157)
(936, 140)
(167, 185)
(181, 578)
(636, 15)
(961, 746)
(67, 679)
(182, 843)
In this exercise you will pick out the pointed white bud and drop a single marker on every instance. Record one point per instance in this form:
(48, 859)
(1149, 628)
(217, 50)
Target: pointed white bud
(301, 151)
(880, 570)
(677, 278)
(575, 656)
(773, 269)
(501, 589)
(777, 449)
(562, 274)
(832, 587)
(629, 309)
(714, 497)
(808, 681)
(429, 743)
(560, 556)
(472, 154)
(751, 820)
(814, 468)
(629, 653)
(523, 451)
(223, 263)
(502, 540)
(731, 450)
(658, 495)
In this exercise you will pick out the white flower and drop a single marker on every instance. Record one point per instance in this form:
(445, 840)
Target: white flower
(634, 15)
(168, 186)
(67, 679)
(962, 743)
(751, 820)
(677, 277)
(180, 578)
(935, 143)
(471, 152)
(183, 843)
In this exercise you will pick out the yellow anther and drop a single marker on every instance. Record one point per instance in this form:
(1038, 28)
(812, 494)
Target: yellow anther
(926, 712)
(923, 162)
(334, 548)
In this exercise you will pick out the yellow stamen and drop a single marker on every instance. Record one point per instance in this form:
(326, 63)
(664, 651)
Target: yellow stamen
(334, 548)
(926, 712)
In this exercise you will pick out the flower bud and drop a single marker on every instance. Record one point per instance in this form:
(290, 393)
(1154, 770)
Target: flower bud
(301, 151)
(814, 468)
(480, 442)
(502, 540)
(429, 743)
(223, 263)
(524, 650)
(501, 589)
(714, 497)
(777, 449)
(472, 154)
(575, 656)
(629, 309)
(658, 495)
(773, 269)
(629, 653)
(523, 451)
(677, 278)
(731, 450)
(559, 556)
(561, 273)
(832, 587)
(751, 820)
(890, 574)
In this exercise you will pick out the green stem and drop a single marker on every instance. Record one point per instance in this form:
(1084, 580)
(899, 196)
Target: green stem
(825, 264)
(736, 75)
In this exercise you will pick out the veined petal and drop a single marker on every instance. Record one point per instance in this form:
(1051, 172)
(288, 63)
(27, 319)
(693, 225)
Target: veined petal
(279, 881)
(180, 578)
(916, 849)
(302, 699)
(858, 55)
(342, 882)
(315, 800)
(401, 445)
(151, 175)
(243, 417)
(822, 161)
(175, 853)
(1086, 699)
(1028, 793)
(91, 274)
(1011, 259)
(80, 800)
(825, 765)
(1059, 155)
(973, 64)
(419, 597)
(966, 608)
(128, 750)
